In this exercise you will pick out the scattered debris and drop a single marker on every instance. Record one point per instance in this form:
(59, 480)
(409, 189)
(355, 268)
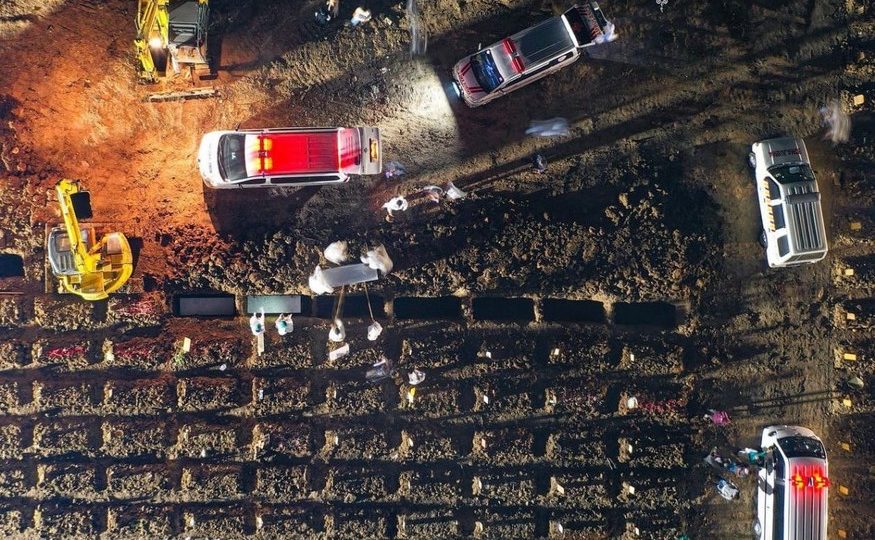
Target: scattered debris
(661, 4)
(374, 331)
(554, 127)
(381, 370)
(719, 418)
(727, 489)
(339, 352)
(394, 168)
(415, 377)
(453, 193)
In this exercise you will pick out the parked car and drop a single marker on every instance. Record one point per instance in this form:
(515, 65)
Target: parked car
(789, 201)
(288, 157)
(531, 54)
(793, 488)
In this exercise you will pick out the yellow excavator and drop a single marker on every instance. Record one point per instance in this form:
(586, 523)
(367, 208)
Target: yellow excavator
(172, 34)
(85, 266)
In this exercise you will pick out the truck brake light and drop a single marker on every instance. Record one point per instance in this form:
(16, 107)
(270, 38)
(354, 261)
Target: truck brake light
(509, 46)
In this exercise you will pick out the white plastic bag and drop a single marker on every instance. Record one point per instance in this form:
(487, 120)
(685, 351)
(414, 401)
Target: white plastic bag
(336, 252)
(318, 284)
(374, 331)
(378, 259)
(338, 332)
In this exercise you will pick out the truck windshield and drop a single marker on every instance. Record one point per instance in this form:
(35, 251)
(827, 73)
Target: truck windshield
(232, 158)
(791, 174)
(486, 72)
(797, 446)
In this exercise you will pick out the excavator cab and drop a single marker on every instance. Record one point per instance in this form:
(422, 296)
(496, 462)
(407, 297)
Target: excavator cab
(85, 265)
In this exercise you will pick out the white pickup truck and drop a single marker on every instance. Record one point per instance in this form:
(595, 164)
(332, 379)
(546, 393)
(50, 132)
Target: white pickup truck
(531, 54)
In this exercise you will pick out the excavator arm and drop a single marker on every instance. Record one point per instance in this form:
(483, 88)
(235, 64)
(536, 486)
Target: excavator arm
(90, 272)
(153, 25)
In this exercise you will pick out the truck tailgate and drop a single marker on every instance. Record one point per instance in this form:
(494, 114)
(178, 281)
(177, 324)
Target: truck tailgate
(589, 24)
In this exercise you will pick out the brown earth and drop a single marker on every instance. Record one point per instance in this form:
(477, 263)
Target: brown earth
(646, 216)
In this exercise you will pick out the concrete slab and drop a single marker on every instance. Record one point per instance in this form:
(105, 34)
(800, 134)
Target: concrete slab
(274, 304)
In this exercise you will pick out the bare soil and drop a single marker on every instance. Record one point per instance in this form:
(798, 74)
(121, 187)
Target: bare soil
(646, 217)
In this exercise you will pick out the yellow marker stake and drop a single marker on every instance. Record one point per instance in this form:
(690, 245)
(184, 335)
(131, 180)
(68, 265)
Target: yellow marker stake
(849, 272)
(850, 356)
(847, 403)
(844, 490)
(846, 446)
(856, 226)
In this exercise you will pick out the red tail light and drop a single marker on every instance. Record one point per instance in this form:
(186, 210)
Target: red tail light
(509, 46)
(801, 479)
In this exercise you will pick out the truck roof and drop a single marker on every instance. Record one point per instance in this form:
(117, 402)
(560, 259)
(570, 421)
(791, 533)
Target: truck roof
(543, 41)
(292, 153)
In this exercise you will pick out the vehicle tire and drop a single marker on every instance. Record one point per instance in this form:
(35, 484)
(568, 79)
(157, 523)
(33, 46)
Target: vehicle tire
(764, 240)
(752, 160)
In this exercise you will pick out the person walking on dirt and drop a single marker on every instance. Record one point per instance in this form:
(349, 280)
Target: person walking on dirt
(539, 164)
(753, 457)
(284, 324)
(256, 323)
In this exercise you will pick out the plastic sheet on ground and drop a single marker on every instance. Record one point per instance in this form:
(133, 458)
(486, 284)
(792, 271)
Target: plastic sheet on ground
(378, 259)
(554, 127)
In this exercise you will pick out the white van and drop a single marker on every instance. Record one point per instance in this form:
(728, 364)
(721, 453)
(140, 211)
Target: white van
(790, 207)
(288, 157)
(793, 487)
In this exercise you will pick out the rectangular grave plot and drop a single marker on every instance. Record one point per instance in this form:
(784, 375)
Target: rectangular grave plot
(14, 480)
(651, 453)
(582, 490)
(136, 481)
(583, 524)
(64, 436)
(64, 397)
(434, 524)
(361, 443)
(13, 354)
(432, 445)
(437, 485)
(577, 448)
(209, 440)
(358, 398)
(581, 397)
(229, 521)
(141, 353)
(208, 482)
(507, 487)
(141, 521)
(355, 484)
(503, 352)
(67, 480)
(292, 351)
(284, 522)
(652, 359)
(9, 396)
(282, 482)
(438, 350)
(506, 446)
(354, 525)
(281, 394)
(12, 521)
(291, 439)
(214, 353)
(437, 400)
(128, 437)
(68, 522)
(587, 352)
(209, 394)
(139, 396)
(510, 524)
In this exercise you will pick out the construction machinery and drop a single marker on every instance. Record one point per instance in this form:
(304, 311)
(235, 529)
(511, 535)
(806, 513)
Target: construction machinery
(84, 265)
(172, 35)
